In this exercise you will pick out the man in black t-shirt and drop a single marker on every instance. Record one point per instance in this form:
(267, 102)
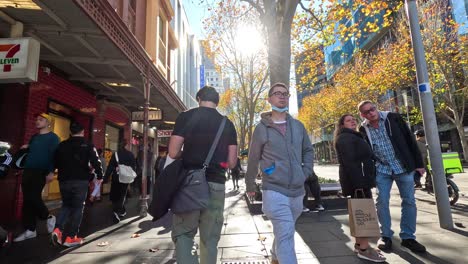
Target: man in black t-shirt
(195, 130)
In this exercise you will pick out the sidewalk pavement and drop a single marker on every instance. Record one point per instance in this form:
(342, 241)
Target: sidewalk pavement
(320, 237)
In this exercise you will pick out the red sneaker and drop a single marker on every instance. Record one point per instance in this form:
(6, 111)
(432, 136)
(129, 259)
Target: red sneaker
(56, 237)
(73, 242)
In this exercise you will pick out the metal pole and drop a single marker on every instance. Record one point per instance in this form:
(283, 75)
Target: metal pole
(144, 196)
(429, 118)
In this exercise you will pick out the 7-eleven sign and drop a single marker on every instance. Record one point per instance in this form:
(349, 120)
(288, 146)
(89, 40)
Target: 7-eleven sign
(19, 60)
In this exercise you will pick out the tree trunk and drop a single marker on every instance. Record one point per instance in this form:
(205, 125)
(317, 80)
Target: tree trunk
(279, 56)
(277, 20)
(461, 134)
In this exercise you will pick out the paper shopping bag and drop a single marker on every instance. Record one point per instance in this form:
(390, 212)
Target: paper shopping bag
(363, 218)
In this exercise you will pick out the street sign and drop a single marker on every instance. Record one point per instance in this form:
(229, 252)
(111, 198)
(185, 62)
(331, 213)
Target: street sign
(164, 133)
(202, 75)
(152, 115)
(19, 60)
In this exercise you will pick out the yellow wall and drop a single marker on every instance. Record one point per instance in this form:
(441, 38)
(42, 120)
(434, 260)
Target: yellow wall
(152, 13)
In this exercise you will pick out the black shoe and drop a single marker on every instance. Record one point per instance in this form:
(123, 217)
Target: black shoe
(418, 185)
(385, 244)
(116, 217)
(413, 245)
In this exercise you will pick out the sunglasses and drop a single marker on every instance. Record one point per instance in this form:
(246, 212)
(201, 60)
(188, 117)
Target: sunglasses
(279, 94)
(372, 109)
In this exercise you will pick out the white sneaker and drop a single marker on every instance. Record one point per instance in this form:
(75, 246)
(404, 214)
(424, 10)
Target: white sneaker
(319, 207)
(305, 210)
(25, 235)
(51, 223)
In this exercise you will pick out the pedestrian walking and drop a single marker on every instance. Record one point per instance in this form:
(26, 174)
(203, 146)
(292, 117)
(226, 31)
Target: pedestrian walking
(38, 170)
(357, 172)
(282, 150)
(72, 160)
(422, 145)
(195, 130)
(398, 158)
(235, 174)
(312, 186)
(118, 191)
(159, 164)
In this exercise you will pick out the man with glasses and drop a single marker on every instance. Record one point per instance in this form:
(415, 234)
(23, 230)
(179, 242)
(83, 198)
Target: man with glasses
(398, 158)
(281, 148)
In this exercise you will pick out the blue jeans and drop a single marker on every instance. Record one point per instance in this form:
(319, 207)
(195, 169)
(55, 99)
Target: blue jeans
(405, 183)
(283, 212)
(210, 222)
(73, 198)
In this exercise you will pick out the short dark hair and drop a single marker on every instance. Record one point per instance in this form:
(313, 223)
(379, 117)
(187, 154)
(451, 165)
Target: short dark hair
(76, 128)
(123, 143)
(208, 93)
(420, 133)
(278, 84)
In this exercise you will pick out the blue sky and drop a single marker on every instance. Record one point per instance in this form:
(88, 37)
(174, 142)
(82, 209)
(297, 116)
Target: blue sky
(195, 14)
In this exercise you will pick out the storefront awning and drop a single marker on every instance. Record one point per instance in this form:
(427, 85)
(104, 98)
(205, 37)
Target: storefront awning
(89, 42)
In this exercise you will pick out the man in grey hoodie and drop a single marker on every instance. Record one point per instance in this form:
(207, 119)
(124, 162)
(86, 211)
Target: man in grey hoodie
(281, 149)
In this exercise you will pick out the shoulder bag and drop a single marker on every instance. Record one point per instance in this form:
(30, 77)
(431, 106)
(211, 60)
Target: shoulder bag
(126, 173)
(194, 194)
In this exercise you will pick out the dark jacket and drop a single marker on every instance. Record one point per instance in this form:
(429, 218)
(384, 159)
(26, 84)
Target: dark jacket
(125, 157)
(355, 156)
(73, 158)
(165, 188)
(403, 141)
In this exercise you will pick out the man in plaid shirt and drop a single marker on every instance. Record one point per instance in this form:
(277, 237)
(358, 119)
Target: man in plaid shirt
(398, 158)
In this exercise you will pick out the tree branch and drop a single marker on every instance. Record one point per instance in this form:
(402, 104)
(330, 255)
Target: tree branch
(255, 5)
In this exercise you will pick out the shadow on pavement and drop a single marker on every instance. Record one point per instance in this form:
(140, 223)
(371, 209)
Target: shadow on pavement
(95, 218)
(428, 257)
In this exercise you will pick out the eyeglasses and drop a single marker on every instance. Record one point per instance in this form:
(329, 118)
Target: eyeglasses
(372, 109)
(279, 94)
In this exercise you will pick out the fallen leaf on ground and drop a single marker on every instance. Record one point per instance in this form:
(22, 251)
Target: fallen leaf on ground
(135, 235)
(103, 244)
(153, 249)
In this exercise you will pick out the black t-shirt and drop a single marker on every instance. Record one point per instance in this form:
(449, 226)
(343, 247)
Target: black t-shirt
(199, 137)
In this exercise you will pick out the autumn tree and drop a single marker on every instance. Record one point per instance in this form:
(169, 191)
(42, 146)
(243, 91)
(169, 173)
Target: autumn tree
(248, 67)
(447, 59)
(390, 67)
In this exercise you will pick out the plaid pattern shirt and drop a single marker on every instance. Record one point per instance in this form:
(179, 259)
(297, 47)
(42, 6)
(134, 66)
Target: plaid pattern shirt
(389, 164)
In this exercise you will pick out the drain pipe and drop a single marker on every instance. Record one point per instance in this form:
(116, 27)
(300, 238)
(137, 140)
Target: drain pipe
(16, 29)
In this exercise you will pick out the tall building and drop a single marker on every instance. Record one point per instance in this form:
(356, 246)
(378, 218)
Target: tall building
(460, 13)
(94, 60)
(341, 52)
(186, 59)
(211, 75)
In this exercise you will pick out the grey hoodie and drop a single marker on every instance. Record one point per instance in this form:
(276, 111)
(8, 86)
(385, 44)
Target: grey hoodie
(292, 156)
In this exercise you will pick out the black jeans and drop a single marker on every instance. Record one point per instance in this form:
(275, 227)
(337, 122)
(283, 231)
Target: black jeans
(312, 186)
(366, 193)
(235, 179)
(74, 194)
(118, 194)
(33, 207)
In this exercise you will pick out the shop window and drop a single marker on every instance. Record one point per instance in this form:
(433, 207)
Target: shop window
(61, 126)
(113, 136)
